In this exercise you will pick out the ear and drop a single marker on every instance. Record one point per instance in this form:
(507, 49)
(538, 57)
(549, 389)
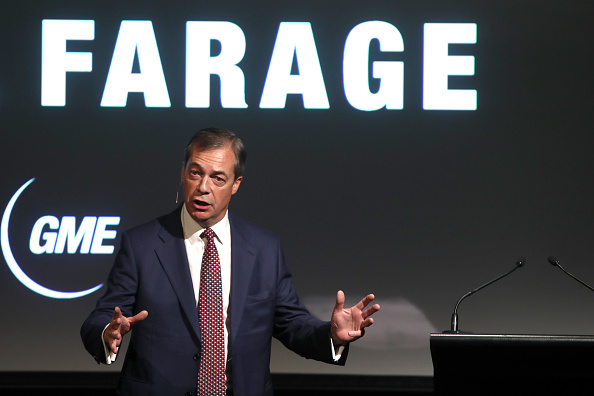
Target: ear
(236, 184)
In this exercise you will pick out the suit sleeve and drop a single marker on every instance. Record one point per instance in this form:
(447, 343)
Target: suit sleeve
(295, 327)
(121, 292)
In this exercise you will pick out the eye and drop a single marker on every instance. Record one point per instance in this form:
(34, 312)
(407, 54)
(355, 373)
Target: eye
(218, 181)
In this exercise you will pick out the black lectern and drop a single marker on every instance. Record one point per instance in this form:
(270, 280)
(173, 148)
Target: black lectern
(487, 364)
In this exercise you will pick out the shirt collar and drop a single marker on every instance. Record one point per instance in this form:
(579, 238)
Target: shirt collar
(192, 229)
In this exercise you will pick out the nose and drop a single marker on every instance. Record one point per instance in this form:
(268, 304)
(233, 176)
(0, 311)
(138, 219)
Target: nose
(203, 185)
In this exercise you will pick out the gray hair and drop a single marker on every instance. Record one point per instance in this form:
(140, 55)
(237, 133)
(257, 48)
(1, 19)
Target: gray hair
(213, 138)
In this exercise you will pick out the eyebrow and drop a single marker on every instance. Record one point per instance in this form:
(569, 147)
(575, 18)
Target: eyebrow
(215, 172)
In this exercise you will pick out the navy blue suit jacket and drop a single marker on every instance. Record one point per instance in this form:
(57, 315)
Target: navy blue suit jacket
(151, 272)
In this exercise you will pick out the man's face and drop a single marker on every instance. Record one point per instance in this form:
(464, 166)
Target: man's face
(209, 182)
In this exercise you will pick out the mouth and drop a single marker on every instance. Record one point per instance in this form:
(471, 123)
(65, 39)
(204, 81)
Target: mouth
(201, 205)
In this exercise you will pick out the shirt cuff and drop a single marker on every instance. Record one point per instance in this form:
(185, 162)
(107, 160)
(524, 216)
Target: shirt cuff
(336, 352)
(110, 357)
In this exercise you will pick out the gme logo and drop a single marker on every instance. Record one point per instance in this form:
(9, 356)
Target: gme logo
(89, 237)
(51, 235)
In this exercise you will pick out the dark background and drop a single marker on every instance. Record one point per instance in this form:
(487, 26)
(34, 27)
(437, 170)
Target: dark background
(415, 206)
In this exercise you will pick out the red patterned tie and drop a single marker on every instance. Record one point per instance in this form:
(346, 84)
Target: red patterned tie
(211, 375)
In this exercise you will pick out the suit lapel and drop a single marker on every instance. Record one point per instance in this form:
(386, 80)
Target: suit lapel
(243, 259)
(174, 260)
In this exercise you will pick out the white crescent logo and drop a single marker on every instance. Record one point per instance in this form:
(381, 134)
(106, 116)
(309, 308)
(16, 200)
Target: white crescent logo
(14, 266)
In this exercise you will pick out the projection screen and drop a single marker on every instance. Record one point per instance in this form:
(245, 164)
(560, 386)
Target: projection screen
(410, 149)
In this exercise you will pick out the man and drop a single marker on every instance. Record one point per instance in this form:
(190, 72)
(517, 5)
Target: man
(206, 292)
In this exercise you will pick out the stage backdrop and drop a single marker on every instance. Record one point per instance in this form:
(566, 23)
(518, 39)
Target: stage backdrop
(411, 149)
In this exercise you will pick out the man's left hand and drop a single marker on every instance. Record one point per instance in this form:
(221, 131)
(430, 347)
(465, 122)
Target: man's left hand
(348, 324)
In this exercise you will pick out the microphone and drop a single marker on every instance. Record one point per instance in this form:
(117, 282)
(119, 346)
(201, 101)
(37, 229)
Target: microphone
(454, 327)
(555, 263)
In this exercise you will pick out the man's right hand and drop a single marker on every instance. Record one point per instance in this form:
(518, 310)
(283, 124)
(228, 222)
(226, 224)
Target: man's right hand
(119, 326)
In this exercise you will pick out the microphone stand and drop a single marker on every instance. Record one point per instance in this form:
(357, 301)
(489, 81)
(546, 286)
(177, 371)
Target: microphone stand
(454, 322)
(556, 263)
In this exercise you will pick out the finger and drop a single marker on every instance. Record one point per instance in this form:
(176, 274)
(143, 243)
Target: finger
(366, 323)
(365, 301)
(370, 311)
(339, 301)
(112, 340)
(115, 345)
(112, 334)
(114, 325)
(357, 333)
(116, 319)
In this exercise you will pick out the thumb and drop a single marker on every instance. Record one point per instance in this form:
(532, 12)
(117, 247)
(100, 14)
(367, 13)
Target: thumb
(142, 315)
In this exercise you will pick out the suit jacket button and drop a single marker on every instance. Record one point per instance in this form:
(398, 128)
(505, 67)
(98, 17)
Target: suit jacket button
(196, 357)
(188, 394)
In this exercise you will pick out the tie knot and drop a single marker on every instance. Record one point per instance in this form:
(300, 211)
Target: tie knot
(208, 233)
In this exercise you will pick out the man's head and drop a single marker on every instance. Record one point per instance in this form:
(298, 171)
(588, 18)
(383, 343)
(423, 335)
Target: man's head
(212, 171)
